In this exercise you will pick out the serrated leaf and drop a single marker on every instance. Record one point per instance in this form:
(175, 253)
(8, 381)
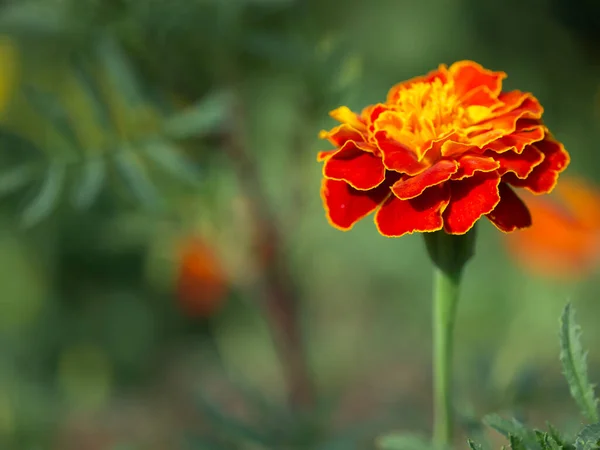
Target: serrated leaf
(473, 445)
(93, 174)
(169, 158)
(573, 360)
(403, 441)
(45, 202)
(557, 436)
(588, 438)
(511, 427)
(205, 116)
(133, 171)
(16, 179)
(516, 443)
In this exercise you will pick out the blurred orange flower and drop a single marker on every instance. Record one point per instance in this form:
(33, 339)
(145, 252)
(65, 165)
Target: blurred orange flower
(564, 240)
(441, 152)
(201, 281)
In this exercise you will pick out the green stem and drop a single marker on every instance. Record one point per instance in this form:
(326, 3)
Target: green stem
(445, 301)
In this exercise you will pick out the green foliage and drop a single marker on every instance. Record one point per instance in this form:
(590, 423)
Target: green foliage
(403, 441)
(573, 360)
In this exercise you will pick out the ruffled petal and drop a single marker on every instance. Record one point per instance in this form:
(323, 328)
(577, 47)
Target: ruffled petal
(469, 75)
(344, 205)
(398, 217)
(440, 74)
(470, 199)
(519, 164)
(397, 157)
(511, 213)
(341, 134)
(528, 131)
(544, 176)
(343, 114)
(469, 164)
(322, 156)
(411, 187)
(361, 170)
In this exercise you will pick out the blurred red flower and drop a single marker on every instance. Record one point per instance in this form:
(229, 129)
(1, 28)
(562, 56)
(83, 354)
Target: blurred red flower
(440, 153)
(201, 281)
(564, 240)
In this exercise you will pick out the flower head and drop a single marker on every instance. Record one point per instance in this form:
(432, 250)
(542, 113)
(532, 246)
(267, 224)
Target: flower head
(564, 241)
(441, 152)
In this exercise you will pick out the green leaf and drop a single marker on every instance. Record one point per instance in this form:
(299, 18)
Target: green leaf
(557, 436)
(50, 107)
(573, 360)
(16, 179)
(588, 438)
(205, 116)
(93, 174)
(135, 174)
(120, 71)
(169, 158)
(473, 445)
(45, 202)
(516, 443)
(32, 18)
(511, 428)
(403, 441)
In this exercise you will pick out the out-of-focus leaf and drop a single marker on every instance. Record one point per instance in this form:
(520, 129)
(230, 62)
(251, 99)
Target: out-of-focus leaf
(15, 179)
(32, 17)
(94, 93)
(512, 428)
(169, 158)
(47, 198)
(573, 360)
(134, 173)
(588, 438)
(120, 71)
(232, 428)
(49, 106)
(206, 115)
(403, 441)
(91, 180)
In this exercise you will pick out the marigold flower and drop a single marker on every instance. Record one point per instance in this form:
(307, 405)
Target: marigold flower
(564, 241)
(441, 152)
(201, 281)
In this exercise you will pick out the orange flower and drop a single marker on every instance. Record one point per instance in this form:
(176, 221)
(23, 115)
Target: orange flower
(564, 240)
(440, 153)
(201, 281)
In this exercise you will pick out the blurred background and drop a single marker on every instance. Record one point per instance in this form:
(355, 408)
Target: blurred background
(167, 276)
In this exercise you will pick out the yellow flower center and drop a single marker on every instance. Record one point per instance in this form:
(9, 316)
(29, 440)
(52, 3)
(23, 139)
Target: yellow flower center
(425, 112)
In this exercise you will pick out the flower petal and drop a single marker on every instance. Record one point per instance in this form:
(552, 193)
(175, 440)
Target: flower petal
(344, 114)
(344, 205)
(441, 73)
(470, 199)
(411, 187)
(469, 164)
(361, 170)
(511, 213)
(527, 132)
(469, 75)
(339, 135)
(322, 156)
(519, 164)
(398, 217)
(544, 176)
(397, 157)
